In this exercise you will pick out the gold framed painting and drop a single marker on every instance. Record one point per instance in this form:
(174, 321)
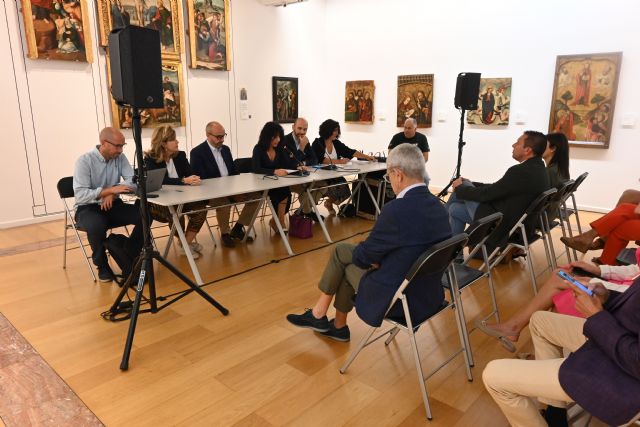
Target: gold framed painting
(209, 34)
(494, 103)
(584, 97)
(172, 113)
(415, 99)
(164, 16)
(358, 101)
(57, 29)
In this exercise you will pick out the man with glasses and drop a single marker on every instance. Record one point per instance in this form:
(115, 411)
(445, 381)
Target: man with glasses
(213, 159)
(97, 188)
(373, 270)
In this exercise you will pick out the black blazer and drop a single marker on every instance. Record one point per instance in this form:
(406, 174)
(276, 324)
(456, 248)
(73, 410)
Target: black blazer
(179, 161)
(262, 164)
(398, 238)
(308, 156)
(512, 194)
(320, 148)
(204, 164)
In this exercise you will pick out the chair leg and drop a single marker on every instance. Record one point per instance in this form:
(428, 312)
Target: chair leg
(492, 290)
(361, 344)
(213, 237)
(64, 253)
(564, 230)
(392, 335)
(527, 249)
(463, 333)
(575, 212)
(554, 263)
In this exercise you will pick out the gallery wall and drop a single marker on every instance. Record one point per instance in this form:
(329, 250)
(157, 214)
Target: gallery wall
(53, 111)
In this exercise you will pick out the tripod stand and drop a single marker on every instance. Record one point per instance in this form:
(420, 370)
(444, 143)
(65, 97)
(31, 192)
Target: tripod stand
(144, 262)
(461, 145)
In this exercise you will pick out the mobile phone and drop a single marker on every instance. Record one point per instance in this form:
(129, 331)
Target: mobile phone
(570, 278)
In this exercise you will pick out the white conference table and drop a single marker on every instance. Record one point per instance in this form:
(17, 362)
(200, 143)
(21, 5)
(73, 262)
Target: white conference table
(174, 197)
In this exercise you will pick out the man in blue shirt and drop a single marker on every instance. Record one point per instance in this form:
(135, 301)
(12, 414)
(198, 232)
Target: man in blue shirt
(97, 188)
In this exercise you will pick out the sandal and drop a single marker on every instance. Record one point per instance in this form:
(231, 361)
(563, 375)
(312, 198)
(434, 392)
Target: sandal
(506, 342)
(329, 206)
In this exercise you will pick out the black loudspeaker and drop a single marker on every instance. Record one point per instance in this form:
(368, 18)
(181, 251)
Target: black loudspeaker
(136, 67)
(467, 88)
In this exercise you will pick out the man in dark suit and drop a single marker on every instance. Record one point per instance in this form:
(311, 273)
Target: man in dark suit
(375, 268)
(213, 159)
(602, 374)
(511, 194)
(296, 145)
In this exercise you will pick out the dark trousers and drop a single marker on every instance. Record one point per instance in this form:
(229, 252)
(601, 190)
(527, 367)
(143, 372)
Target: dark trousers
(96, 222)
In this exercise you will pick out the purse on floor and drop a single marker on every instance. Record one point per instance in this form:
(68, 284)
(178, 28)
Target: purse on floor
(300, 226)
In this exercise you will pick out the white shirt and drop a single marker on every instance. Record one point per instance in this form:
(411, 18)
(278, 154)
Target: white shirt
(412, 186)
(217, 155)
(171, 169)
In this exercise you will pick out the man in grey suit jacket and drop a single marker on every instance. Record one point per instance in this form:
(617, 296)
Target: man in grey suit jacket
(374, 269)
(602, 374)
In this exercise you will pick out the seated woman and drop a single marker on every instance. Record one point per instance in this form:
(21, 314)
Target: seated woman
(164, 153)
(556, 156)
(617, 278)
(615, 229)
(329, 150)
(269, 159)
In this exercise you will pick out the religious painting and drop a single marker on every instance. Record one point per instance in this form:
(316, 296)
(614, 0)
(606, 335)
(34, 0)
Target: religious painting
(584, 97)
(57, 29)
(164, 16)
(358, 102)
(284, 95)
(173, 111)
(209, 34)
(494, 100)
(415, 99)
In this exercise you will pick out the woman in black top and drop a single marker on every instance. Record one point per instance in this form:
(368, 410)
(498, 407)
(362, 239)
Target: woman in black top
(164, 153)
(329, 150)
(556, 156)
(269, 159)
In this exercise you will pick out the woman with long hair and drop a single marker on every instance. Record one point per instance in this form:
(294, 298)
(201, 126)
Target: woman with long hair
(556, 156)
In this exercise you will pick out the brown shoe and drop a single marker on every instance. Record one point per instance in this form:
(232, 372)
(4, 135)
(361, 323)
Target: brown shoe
(575, 243)
(597, 244)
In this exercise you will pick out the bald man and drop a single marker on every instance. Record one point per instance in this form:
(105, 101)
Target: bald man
(410, 136)
(100, 177)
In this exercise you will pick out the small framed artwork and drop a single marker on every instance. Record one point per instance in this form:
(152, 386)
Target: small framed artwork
(164, 16)
(584, 97)
(209, 34)
(415, 99)
(284, 95)
(173, 111)
(358, 101)
(494, 101)
(57, 29)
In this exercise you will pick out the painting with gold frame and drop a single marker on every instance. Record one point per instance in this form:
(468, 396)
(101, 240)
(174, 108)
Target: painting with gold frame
(415, 99)
(494, 103)
(172, 113)
(162, 15)
(584, 97)
(57, 29)
(209, 34)
(358, 101)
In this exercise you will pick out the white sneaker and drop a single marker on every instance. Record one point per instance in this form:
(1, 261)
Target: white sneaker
(195, 247)
(194, 253)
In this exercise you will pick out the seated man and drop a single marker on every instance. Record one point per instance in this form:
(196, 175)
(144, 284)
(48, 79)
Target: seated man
(511, 194)
(375, 268)
(602, 374)
(410, 136)
(212, 159)
(96, 184)
(296, 144)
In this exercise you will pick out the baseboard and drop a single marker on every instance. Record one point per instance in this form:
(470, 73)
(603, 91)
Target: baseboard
(30, 221)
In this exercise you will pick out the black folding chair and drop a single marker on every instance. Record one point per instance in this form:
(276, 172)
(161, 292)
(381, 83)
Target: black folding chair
(436, 260)
(554, 216)
(568, 212)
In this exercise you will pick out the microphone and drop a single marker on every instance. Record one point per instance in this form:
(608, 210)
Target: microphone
(300, 172)
(331, 166)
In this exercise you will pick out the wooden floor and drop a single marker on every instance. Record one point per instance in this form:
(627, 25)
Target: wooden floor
(192, 366)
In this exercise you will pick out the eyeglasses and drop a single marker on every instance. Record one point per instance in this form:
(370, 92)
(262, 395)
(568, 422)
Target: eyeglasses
(115, 145)
(386, 176)
(217, 136)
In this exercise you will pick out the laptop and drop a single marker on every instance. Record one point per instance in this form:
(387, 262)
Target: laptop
(154, 179)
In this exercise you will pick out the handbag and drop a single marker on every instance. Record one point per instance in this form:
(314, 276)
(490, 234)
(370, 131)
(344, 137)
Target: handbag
(300, 226)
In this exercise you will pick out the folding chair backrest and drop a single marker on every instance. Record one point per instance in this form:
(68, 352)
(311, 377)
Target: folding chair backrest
(536, 207)
(480, 230)
(243, 165)
(65, 187)
(564, 188)
(579, 180)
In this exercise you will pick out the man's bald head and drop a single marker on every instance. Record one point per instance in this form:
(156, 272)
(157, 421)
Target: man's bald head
(300, 127)
(215, 134)
(111, 143)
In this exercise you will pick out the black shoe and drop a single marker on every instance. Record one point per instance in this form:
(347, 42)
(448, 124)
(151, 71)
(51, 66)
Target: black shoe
(313, 216)
(308, 320)
(237, 232)
(342, 334)
(227, 241)
(105, 275)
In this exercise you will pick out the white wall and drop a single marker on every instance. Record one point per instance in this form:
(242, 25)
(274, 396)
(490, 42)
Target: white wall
(52, 111)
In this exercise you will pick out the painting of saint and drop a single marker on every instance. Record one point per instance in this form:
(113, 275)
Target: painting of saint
(209, 22)
(55, 29)
(163, 16)
(584, 93)
(415, 99)
(358, 101)
(285, 99)
(494, 100)
(172, 113)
